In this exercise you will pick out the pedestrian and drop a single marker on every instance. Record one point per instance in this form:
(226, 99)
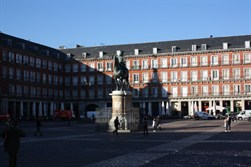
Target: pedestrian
(158, 122)
(228, 121)
(12, 137)
(116, 125)
(38, 125)
(145, 126)
(154, 125)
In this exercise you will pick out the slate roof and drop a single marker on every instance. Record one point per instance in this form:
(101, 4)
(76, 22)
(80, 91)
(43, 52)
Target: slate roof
(32, 47)
(212, 43)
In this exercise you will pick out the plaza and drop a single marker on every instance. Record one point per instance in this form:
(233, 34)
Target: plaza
(179, 143)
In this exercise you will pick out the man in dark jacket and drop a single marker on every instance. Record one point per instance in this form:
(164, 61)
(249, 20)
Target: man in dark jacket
(12, 137)
(116, 124)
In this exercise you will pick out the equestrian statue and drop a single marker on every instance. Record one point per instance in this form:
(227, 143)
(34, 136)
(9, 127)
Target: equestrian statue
(120, 72)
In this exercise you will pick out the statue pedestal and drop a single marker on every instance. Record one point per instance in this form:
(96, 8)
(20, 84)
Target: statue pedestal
(122, 108)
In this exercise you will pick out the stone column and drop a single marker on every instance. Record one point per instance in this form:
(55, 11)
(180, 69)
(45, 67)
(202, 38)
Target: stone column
(122, 108)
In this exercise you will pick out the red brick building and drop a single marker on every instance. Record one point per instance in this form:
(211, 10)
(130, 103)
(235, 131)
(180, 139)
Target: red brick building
(166, 78)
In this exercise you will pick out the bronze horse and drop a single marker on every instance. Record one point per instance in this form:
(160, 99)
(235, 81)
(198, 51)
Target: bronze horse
(120, 74)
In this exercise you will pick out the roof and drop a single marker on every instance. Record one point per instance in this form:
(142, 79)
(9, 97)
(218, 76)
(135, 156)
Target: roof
(212, 43)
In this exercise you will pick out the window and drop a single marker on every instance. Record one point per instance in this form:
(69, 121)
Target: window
(215, 74)
(11, 57)
(50, 79)
(25, 60)
(100, 92)
(32, 61)
(11, 73)
(225, 74)
(174, 62)
(75, 67)
(236, 73)
(225, 45)
(215, 90)
(145, 64)
(214, 60)
(183, 91)
(135, 78)
(32, 76)
(174, 91)
(26, 75)
(236, 59)
(55, 66)
(247, 74)
(38, 62)
(203, 47)
(204, 75)
(225, 89)
(83, 67)
(204, 90)
(164, 91)
(19, 58)
(194, 61)
(49, 65)
(101, 54)
(91, 80)
(194, 90)
(194, 48)
(5, 55)
(247, 58)
(154, 63)
(145, 77)
(164, 76)
(108, 66)
(174, 76)
(164, 63)
(237, 89)
(100, 79)
(203, 60)
(44, 78)
(108, 79)
(44, 64)
(68, 68)
(183, 75)
(136, 51)
(247, 89)
(225, 59)
(83, 80)
(174, 48)
(75, 81)
(136, 65)
(38, 77)
(247, 44)
(183, 61)
(194, 75)
(91, 67)
(100, 66)
(155, 76)
(18, 71)
(155, 50)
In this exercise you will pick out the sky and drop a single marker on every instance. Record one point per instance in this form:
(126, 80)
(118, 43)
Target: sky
(88, 23)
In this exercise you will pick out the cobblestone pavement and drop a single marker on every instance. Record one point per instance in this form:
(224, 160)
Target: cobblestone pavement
(179, 143)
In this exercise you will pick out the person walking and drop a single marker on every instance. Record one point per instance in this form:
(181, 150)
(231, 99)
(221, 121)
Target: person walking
(12, 137)
(154, 125)
(158, 122)
(116, 125)
(38, 125)
(228, 121)
(145, 126)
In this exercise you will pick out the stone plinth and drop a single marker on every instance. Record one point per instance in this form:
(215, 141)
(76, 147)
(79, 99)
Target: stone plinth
(122, 108)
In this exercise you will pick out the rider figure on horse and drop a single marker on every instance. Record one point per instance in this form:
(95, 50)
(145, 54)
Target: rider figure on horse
(120, 72)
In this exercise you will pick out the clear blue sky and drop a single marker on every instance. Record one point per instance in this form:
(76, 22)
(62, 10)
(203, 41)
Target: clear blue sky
(96, 22)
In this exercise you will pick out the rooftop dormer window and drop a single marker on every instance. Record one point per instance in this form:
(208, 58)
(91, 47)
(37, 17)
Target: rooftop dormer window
(101, 54)
(194, 47)
(174, 48)
(155, 50)
(225, 45)
(247, 44)
(203, 46)
(136, 51)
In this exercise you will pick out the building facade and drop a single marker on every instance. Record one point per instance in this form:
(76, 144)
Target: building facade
(174, 78)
